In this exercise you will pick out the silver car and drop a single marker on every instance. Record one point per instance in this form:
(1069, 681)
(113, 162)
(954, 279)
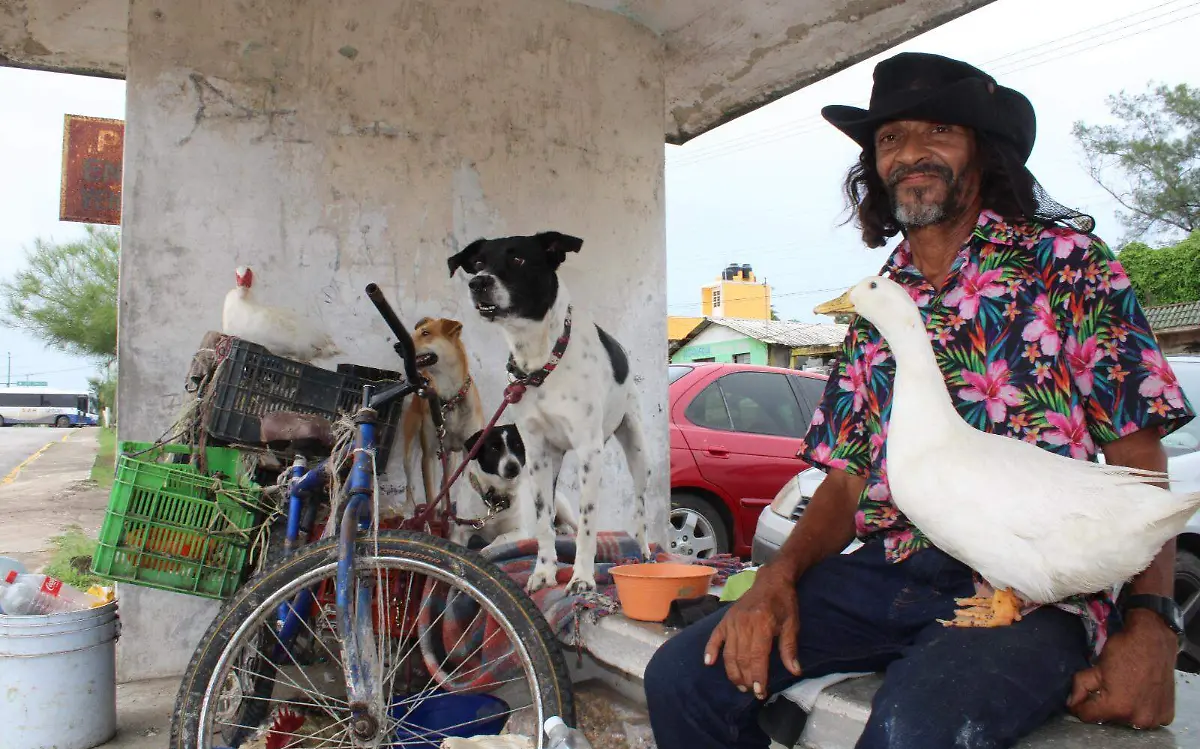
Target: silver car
(1183, 461)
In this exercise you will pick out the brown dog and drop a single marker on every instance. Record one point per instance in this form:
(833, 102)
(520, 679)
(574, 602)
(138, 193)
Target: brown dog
(442, 360)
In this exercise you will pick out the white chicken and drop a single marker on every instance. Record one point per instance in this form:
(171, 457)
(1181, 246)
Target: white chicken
(284, 332)
(1037, 526)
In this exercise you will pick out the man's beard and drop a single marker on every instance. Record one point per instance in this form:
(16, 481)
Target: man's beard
(918, 213)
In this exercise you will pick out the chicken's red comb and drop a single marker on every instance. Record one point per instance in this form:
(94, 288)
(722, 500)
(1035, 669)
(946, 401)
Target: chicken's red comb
(286, 723)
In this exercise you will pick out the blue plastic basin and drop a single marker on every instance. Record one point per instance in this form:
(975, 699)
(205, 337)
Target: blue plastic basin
(442, 715)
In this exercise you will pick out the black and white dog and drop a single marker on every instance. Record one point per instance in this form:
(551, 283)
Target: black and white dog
(586, 393)
(500, 486)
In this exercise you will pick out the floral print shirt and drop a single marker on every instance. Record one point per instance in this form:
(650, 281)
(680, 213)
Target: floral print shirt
(1039, 337)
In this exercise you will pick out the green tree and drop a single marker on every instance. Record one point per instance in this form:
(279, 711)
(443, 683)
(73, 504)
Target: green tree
(1164, 275)
(104, 390)
(67, 296)
(1150, 162)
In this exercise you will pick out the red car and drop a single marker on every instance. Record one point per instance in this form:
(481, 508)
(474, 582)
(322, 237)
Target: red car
(735, 431)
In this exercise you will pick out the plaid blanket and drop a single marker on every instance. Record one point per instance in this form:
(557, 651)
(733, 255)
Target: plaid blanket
(465, 649)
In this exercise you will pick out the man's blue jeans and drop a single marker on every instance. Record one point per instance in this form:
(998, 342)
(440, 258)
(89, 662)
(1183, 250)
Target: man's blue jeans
(944, 687)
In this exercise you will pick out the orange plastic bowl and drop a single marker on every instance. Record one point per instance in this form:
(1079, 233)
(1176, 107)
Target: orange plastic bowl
(646, 590)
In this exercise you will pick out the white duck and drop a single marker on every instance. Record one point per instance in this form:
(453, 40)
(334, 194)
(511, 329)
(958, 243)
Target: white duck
(1030, 522)
(284, 332)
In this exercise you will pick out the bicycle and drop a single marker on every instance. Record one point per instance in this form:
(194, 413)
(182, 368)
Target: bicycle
(315, 617)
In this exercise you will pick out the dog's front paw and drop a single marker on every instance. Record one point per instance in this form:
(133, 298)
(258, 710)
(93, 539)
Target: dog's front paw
(580, 586)
(540, 578)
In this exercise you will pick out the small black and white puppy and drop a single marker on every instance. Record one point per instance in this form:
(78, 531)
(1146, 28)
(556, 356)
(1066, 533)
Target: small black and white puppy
(497, 477)
(587, 396)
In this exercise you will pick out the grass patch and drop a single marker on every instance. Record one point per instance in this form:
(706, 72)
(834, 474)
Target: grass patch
(102, 471)
(71, 561)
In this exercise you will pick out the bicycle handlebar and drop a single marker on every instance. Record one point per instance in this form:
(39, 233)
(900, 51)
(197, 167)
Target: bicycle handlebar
(404, 342)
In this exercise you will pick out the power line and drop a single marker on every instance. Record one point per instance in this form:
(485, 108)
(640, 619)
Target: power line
(1058, 52)
(809, 292)
(55, 371)
(1082, 32)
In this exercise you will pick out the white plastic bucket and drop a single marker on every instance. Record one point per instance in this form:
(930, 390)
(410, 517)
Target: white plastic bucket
(58, 679)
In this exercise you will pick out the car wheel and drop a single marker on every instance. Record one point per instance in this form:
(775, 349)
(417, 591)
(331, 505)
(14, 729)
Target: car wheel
(697, 529)
(1187, 595)
(62, 422)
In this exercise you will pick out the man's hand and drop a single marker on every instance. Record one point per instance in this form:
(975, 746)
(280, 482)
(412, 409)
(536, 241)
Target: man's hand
(766, 612)
(1133, 682)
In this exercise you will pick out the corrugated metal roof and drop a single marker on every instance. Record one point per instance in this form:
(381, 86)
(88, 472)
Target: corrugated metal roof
(1172, 316)
(783, 333)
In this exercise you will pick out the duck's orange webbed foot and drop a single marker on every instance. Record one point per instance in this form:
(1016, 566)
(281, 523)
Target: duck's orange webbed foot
(1000, 610)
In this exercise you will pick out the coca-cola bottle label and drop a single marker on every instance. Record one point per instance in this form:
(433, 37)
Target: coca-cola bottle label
(52, 587)
(11, 577)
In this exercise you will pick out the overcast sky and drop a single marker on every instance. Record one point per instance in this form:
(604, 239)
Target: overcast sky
(763, 189)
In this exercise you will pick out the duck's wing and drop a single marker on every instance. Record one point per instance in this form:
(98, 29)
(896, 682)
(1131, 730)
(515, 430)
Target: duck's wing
(1137, 475)
(1034, 458)
(1043, 524)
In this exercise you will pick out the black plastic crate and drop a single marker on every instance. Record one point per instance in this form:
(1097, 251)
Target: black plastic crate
(254, 382)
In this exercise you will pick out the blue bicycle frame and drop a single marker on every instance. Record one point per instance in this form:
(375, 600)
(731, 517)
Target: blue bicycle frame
(355, 627)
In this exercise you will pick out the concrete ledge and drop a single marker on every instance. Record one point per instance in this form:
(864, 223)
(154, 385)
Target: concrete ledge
(842, 710)
(618, 649)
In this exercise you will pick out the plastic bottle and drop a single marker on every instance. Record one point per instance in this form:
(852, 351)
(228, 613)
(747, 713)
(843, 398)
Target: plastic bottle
(561, 736)
(8, 564)
(25, 595)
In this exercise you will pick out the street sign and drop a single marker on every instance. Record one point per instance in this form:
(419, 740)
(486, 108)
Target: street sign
(31, 384)
(93, 149)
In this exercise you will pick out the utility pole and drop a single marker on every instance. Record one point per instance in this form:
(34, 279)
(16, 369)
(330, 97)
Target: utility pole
(8, 381)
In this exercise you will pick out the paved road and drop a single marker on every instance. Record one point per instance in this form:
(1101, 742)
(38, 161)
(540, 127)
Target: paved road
(49, 493)
(18, 443)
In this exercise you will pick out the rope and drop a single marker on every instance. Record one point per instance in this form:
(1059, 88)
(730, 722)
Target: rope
(345, 432)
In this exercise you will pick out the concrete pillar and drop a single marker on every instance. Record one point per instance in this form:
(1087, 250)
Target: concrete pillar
(331, 144)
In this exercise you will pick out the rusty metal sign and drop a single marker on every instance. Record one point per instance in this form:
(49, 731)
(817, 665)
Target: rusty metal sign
(93, 149)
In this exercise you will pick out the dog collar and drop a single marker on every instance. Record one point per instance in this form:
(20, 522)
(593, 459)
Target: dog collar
(536, 378)
(459, 397)
(495, 503)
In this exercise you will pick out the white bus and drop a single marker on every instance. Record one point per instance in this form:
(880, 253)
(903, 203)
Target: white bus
(39, 405)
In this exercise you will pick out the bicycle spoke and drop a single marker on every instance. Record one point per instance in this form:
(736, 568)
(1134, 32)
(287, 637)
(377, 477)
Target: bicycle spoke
(290, 683)
(383, 620)
(304, 620)
(308, 737)
(432, 627)
(422, 696)
(303, 673)
(416, 638)
(403, 629)
(410, 637)
(274, 701)
(479, 649)
(444, 731)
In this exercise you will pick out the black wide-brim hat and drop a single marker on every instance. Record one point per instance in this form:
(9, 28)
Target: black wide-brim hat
(920, 86)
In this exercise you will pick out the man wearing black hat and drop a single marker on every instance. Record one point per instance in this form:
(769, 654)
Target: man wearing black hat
(1039, 338)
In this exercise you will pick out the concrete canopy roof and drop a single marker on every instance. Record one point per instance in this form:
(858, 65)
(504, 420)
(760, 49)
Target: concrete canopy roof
(723, 59)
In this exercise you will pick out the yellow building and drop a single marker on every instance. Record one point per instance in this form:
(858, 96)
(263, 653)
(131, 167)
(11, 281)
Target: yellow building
(736, 294)
(678, 327)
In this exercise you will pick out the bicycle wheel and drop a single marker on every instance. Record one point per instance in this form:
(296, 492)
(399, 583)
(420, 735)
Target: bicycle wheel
(456, 637)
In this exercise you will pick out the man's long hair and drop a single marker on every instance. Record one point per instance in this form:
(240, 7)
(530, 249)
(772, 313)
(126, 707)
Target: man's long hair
(1005, 186)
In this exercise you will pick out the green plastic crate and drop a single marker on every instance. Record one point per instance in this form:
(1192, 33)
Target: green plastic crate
(222, 460)
(170, 527)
